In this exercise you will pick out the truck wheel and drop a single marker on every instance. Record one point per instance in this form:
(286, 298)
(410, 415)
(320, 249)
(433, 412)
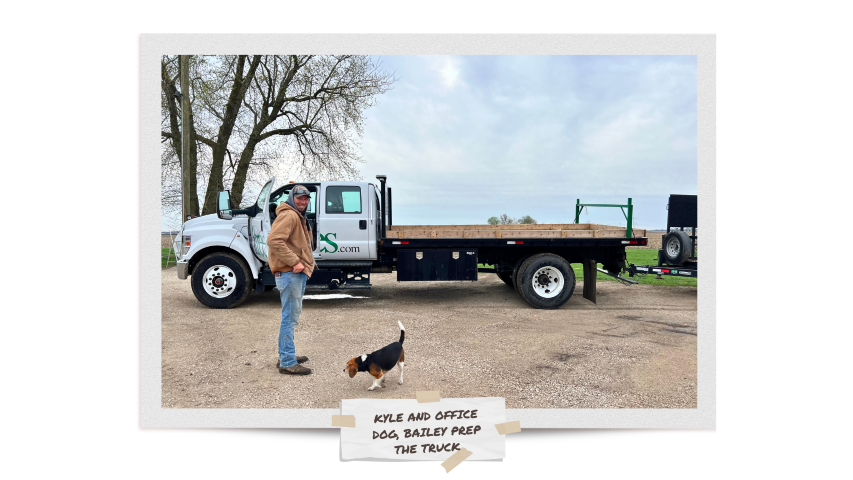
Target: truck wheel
(677, 247)
(506, 277)
(546, 281)
(516, 270)
(221, 280)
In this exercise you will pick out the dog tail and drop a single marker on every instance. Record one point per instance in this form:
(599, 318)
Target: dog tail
(402, 331)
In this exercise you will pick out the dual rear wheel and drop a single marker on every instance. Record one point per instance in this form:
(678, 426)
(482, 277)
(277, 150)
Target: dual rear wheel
(544, 280)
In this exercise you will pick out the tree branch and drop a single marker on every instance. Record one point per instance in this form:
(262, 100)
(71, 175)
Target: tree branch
(284, 131)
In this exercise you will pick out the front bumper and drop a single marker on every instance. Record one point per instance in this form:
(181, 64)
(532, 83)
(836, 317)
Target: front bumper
(183, 268)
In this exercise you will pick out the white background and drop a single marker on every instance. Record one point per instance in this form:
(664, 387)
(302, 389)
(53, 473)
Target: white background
(70, 342)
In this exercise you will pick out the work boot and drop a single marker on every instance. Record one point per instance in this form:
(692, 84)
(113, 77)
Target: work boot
(295, 370)
(299, 359)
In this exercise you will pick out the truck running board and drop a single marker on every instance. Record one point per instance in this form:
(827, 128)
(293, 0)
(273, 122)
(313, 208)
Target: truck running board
(346, 286)
(626, 281)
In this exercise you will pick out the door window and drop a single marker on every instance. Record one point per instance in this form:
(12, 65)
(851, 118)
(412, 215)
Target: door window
(310, 211)
(343, 199)
(262, 198)
(283, 196)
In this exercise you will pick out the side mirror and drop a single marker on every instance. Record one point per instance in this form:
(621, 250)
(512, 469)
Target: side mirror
(223, 205)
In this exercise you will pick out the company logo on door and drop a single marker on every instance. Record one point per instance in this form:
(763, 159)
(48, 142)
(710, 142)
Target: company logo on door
(331, 243)
(260, 245)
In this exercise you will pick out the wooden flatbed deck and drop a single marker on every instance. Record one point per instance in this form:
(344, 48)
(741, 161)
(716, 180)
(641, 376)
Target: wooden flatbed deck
(549, 230)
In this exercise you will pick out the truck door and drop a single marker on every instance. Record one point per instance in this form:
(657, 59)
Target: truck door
(279, 197)
(373, 222)
(260, 224)
(344, 222)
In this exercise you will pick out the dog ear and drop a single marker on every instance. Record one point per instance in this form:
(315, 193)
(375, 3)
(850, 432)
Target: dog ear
(352, 368)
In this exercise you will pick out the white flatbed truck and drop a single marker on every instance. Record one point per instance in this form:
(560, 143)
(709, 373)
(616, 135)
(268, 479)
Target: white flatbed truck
(226, 257)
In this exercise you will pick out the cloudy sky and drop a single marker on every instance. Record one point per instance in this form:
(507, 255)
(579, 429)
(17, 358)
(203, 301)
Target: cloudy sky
(464, 138)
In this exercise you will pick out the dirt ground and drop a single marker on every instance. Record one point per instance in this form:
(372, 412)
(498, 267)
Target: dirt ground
(635, 349)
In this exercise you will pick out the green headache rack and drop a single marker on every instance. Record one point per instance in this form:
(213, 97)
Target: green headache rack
(629, 216)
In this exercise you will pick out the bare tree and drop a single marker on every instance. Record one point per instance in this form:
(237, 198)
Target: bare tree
(252, 113)
(506, 219)
(227, 115)
(313, 107)
(170, 107)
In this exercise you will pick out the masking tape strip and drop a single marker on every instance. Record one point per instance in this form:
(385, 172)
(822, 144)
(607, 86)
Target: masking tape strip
(508, 427)
(428, 397)
(456, 459)
(343, 421)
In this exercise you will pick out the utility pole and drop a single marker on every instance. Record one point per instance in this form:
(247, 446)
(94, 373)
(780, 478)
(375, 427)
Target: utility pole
(185, 136)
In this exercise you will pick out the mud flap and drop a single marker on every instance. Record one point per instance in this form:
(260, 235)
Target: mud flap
(590, 276)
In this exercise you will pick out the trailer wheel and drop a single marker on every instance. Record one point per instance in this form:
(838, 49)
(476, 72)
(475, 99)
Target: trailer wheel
(677, 247)
(221, 280)
(506, 277)
(546, 281)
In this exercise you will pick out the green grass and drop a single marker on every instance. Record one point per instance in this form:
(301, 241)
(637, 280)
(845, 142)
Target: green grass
(639, 256)
(164, 252)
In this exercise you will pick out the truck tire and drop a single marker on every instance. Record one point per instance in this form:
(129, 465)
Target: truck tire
(677, 247)
(221, 280)
(546, 281)
(515, 271)
(506, 277)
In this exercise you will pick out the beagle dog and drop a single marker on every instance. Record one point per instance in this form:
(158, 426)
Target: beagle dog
(380, 362)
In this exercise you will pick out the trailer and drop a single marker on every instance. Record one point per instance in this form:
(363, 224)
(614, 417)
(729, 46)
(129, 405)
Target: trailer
(677, 257)
(226, 254)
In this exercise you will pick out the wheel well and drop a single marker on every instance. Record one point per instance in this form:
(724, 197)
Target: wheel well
(571, 255)
(207, 251)
(508, 261)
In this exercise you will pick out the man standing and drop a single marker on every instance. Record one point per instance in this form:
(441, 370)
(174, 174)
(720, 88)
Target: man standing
(292, 262)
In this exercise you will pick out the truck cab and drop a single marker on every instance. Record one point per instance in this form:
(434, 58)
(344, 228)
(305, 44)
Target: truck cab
(227, 254)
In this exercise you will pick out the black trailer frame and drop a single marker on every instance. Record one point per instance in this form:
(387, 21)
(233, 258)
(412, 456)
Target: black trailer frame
(682, 212)
(642, 270)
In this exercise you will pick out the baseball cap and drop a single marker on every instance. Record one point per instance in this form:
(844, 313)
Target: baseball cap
(299, 191)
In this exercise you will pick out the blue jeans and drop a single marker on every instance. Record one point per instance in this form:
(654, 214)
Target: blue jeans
(291, 287)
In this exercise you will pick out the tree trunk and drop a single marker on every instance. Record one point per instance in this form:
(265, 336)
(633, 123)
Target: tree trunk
(193, 170)
(186, 137)
(243, 169)
(232, 108)
(214, 181)
(176, 140)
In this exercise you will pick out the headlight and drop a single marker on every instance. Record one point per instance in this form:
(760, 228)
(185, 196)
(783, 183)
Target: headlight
(185, 244)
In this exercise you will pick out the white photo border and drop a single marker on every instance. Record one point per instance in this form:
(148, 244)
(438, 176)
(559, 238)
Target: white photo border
(154, 46)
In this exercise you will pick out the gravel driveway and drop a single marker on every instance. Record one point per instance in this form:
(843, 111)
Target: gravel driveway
(635, 349)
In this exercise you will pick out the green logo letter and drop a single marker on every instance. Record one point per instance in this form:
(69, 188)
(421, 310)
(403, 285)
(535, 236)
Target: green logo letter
(325, 238)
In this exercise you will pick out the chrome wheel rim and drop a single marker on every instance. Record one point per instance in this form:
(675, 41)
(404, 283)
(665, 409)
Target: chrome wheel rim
(673, 248)
(548, 282)
(219, 281)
